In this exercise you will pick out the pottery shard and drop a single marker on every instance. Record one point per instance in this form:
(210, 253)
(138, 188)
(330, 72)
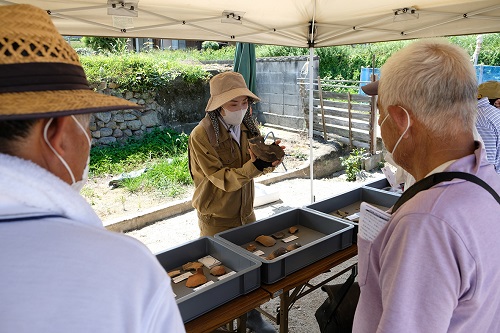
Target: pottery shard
(265, 152)
(196, 279)
(265, 240)
(276, 253)
(192, 266)
(292, 247)
(218, 270)
(174, 273)
(251, 247)
(341, 213)
(278, 235)
(293, 229)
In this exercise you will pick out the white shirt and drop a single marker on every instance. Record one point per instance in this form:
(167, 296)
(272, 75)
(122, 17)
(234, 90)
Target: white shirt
(68, 274)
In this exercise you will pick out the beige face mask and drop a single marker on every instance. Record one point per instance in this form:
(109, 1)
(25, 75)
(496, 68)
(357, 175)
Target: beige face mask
(234, 117)
(76, 185)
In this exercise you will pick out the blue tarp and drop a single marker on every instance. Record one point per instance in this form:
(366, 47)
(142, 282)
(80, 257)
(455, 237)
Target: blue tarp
(483, 73)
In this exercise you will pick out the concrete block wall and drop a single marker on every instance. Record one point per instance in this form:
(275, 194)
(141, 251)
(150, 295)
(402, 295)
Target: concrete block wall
(276, 85)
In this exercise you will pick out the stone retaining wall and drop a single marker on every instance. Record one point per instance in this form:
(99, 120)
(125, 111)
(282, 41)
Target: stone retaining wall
(112, 126)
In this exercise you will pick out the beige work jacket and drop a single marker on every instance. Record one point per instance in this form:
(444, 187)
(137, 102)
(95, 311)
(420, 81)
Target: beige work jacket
(223, 177)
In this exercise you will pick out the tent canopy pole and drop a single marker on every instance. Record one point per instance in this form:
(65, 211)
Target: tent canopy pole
(311, 113)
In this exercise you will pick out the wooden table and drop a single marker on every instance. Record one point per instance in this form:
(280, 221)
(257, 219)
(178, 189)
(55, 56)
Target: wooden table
(298, 281)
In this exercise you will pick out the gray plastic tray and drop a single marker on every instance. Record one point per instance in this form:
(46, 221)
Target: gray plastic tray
(382, 184)
(319, 234)
(193, 304)
(350, 201)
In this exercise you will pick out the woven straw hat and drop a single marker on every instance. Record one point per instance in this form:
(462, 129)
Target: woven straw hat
(40, 73)
(490, 89)
(226, 86)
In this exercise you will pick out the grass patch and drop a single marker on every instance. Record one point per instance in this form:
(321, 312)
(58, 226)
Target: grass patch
(137, 153)
(166, 178)
(163, 152)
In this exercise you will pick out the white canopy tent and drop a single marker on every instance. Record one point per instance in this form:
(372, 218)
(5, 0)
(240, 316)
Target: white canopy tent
(278, 22)
(299, 23)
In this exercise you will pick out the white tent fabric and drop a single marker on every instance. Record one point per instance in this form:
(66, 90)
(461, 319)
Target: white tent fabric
(278, 22)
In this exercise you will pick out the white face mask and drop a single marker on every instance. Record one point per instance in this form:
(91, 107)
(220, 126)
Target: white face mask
(390, 155)
(76, 185)
(234, 117)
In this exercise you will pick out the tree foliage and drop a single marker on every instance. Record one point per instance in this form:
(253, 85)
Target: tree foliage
(108, 44)
(345, 62)
(148, 70)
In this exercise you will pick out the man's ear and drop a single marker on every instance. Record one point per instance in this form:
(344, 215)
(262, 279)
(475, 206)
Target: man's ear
(57, 133)
(400, 117)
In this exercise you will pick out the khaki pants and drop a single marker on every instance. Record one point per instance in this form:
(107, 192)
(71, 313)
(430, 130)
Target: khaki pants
(210, 226)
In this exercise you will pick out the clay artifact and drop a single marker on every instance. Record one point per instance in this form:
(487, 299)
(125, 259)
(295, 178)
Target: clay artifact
(251, 247)
(276, 253)
(293, 229)
(192, 266)
(174, 273)
(278, 235)
(265, 240)
(341, 213)
(196, 279)
(292, 247)
(218, 270)
(265, 152)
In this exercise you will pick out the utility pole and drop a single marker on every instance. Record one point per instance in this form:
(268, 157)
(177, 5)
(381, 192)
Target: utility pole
(475, 56)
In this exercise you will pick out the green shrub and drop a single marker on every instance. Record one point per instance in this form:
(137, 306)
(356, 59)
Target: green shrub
(108, 44)
(141, 72)
(352, 163)
(208, 44)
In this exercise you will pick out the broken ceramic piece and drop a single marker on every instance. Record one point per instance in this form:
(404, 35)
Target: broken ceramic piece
(341, 213)
(293, 229)
(265, 152)
(196, 279)
(218, 270)
(174, 273)
(192, 266)
(276, 253)
(265, 240)
(251, 247)
(292, 247)
(278, 235)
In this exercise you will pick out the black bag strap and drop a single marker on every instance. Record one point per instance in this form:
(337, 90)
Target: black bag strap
(437, 178)
(341, 293)
(27, 218)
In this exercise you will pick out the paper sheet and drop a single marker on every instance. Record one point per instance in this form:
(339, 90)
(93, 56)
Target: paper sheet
(391, 176)
(371, 221)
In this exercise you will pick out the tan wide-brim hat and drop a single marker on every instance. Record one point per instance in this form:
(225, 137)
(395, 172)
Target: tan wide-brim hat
(490, 89)
(226, 86)
(40, 73)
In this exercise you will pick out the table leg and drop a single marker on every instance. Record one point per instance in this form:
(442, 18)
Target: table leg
(284, 304)
(242, 323)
